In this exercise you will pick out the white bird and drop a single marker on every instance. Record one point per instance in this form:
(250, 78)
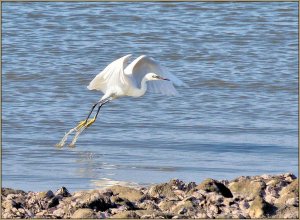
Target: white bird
(119, 79)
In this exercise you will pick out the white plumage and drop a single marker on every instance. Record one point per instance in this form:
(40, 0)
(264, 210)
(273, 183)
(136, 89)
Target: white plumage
(120, 79)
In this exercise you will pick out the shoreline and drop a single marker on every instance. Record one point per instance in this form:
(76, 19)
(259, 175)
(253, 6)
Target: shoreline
(265, 196)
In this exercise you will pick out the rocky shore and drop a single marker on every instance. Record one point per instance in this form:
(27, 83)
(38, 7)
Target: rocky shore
(266, 196)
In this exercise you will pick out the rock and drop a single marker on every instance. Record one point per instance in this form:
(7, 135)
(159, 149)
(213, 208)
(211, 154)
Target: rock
(214, 198)
(162, 191)
(162, 215)
(211, 185)
(14, 210)
(257, 208)
(166, 205)
(148, 205)
(28, 213)
(127, 204)
(260, 208)
(152, 214)
(16, 201)
(212, 210)
(63, 192)
(228, 201)
(180, 194)
(238, 216)
(272, 191)
(59, 213)
(115, 210)
(126, 214)
(291, 212)
(244, 205)
(200, 194)
(102, 215)
(266, 176)
(182, 207)
(272, 182)
(21, 210)
(145, 212)
(292, 202)
(7, 191)
(127, 193)
(42, 195)
(84, 213)
(145, 216)
(270, 199)
(53, 202)
(8, 204)
(190, 186)
(247, 188)
(177, 184)
(288, 192)
(289, 177)
(94, 200)
(201, 214)
(40, 214)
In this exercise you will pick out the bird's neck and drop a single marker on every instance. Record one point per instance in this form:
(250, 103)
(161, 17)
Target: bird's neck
(144, 85)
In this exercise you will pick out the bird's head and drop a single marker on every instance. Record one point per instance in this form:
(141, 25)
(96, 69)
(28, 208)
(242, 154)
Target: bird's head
(153, 76)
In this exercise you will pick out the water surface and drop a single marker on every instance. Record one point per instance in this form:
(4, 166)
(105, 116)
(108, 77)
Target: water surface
(237, 117)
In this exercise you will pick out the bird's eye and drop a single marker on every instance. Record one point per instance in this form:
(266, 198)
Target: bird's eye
(154, 76)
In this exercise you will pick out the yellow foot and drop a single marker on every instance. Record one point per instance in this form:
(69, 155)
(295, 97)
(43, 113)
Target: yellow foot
(85, 124)
(72, 145)
(59, 145)
(90, 122)
(80, 125)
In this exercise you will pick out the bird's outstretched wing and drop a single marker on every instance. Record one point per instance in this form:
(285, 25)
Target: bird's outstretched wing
(112, 76)
(143, 65)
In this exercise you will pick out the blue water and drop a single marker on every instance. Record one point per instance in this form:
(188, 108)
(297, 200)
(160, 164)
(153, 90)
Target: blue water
(237, 117)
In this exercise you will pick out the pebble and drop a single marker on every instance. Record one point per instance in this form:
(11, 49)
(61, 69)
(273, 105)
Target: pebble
(14, 210)
(244, 205)
(292, 202)
(11, 196)
(21, 211)
(201, 215)
(182, 211)
(146, 216)
(58, 213)
(238, 216)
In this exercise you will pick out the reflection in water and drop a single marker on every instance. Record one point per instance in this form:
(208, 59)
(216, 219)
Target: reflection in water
(105, 182)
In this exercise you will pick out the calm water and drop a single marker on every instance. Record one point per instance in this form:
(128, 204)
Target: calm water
(238, 116)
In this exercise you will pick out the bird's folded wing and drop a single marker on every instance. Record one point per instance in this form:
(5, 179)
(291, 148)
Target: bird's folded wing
(111, 76)
(143, 65)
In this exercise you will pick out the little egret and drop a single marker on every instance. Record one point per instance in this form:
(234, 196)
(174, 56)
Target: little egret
(119, 79)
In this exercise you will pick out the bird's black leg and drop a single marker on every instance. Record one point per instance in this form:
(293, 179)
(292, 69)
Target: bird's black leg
(105, 101)
(91, 111)
(86, 123)
(101, 103)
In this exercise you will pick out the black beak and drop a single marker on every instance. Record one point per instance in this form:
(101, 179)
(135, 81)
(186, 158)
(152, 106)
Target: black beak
(159, 77)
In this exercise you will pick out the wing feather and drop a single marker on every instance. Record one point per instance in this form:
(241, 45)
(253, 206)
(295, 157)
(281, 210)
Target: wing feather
(143, 65)
(111, 76)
